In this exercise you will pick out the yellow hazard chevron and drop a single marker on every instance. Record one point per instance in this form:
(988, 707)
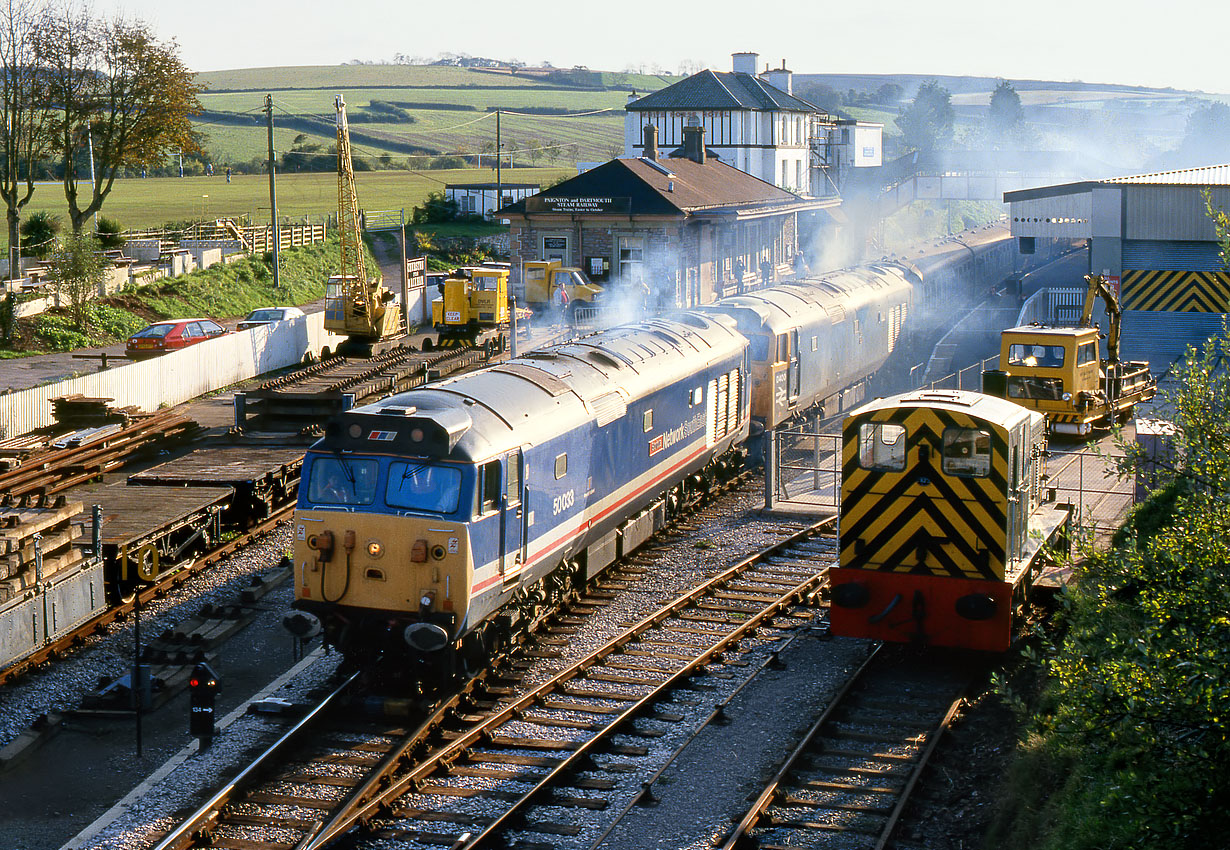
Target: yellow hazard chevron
(1176, 292)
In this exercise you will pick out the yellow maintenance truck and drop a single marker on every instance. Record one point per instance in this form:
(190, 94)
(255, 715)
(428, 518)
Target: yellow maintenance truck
(549, 285)
(1058, 370)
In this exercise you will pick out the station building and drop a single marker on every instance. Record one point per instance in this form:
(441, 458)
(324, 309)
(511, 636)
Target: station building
(1151, 236)
(685, 226)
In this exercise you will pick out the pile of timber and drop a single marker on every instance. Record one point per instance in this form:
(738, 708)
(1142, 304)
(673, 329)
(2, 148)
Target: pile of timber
(79, 420)
(57, 469)
(79, 411)
(23, 517)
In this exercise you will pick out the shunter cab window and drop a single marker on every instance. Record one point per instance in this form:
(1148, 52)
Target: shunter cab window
(1087, 353)
(967, 451)
(342, 481)
(419, 486)
(881, 445)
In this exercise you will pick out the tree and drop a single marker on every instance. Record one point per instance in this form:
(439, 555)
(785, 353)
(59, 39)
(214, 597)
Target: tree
(120, 91)
(889, 94)
(436, 208)
(24, 140)
(1207, 138)
(38, 234)
(110, 233)
(1005, 117)
(78, 269)
(825, 97)
(926, 123)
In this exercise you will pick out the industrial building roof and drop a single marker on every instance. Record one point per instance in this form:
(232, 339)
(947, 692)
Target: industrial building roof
(1208, 175)
(722, 90)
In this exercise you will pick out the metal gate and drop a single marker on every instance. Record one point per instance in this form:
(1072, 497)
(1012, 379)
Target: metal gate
(805, 468)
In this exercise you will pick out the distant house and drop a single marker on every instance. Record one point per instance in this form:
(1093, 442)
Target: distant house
(480, 198)
(755, 123)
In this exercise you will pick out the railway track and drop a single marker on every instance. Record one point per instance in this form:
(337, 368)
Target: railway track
(494, 759)
(308, 397)
(847, 782)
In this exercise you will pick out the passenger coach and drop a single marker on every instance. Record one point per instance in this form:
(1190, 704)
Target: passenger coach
(944, 521)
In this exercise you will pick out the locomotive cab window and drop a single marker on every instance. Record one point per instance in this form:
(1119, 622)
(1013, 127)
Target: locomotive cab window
(561, 466)
(759, 347)
(342, 481)
(418, 486)
(647, 421)
(1087, 353)
(489, 487)
(967, 451)
(881, 445)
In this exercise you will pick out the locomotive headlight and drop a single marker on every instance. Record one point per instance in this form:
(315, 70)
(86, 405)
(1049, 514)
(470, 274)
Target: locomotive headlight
(375, 548)
(1067, 396)
(355, 430)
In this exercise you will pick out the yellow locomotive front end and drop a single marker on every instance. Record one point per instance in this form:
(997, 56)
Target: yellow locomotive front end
(382, 558)
(942, 520)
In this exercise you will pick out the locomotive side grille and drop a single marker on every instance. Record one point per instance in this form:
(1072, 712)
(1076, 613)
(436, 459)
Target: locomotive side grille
(732, 400)
(920, 520)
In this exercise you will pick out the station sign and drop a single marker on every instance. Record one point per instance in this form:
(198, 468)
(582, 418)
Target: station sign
(585, 205)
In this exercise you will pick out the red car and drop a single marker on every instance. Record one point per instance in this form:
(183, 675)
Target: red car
(171, 335)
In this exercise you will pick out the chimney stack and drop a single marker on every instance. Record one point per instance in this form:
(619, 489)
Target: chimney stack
(744, 63)
(651, 142)
(781, 78)
(694, 143)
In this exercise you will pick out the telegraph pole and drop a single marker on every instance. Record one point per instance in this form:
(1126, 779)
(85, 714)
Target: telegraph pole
(273, 195)
(499, 156)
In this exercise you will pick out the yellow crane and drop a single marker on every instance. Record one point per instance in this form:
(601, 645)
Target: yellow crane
(356, 305)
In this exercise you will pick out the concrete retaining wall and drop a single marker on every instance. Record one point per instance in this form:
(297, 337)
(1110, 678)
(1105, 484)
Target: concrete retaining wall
(179, 376)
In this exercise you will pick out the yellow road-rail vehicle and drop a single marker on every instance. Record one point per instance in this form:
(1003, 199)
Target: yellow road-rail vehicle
(473, 302)
(1058, 370)
(945, 520)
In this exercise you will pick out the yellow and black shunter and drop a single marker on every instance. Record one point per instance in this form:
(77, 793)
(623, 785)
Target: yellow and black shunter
(945, 522)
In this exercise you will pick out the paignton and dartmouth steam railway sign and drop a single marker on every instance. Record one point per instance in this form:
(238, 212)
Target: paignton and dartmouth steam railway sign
(589, 205)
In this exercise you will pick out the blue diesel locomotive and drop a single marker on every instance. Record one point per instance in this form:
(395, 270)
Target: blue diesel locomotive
(448, 516)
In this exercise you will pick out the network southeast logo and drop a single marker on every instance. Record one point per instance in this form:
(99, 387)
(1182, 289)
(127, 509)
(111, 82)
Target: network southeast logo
(674, 435)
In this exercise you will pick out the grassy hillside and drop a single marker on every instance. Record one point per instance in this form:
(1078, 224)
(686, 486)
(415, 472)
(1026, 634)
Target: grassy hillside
(438, 110)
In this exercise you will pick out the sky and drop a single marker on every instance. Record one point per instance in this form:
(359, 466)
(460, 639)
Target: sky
(1178, 43)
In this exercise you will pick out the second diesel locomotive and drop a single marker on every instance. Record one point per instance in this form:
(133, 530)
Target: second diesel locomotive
(944, 521)
(435, 523)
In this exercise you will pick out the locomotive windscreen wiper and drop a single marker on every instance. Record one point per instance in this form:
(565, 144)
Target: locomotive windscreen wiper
(341, 459)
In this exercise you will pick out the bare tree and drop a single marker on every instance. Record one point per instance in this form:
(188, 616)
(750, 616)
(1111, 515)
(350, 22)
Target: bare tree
(121, 93)
(26, 105)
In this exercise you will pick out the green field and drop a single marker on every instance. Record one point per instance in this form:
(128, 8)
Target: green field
(460, 123)
(150, 203)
